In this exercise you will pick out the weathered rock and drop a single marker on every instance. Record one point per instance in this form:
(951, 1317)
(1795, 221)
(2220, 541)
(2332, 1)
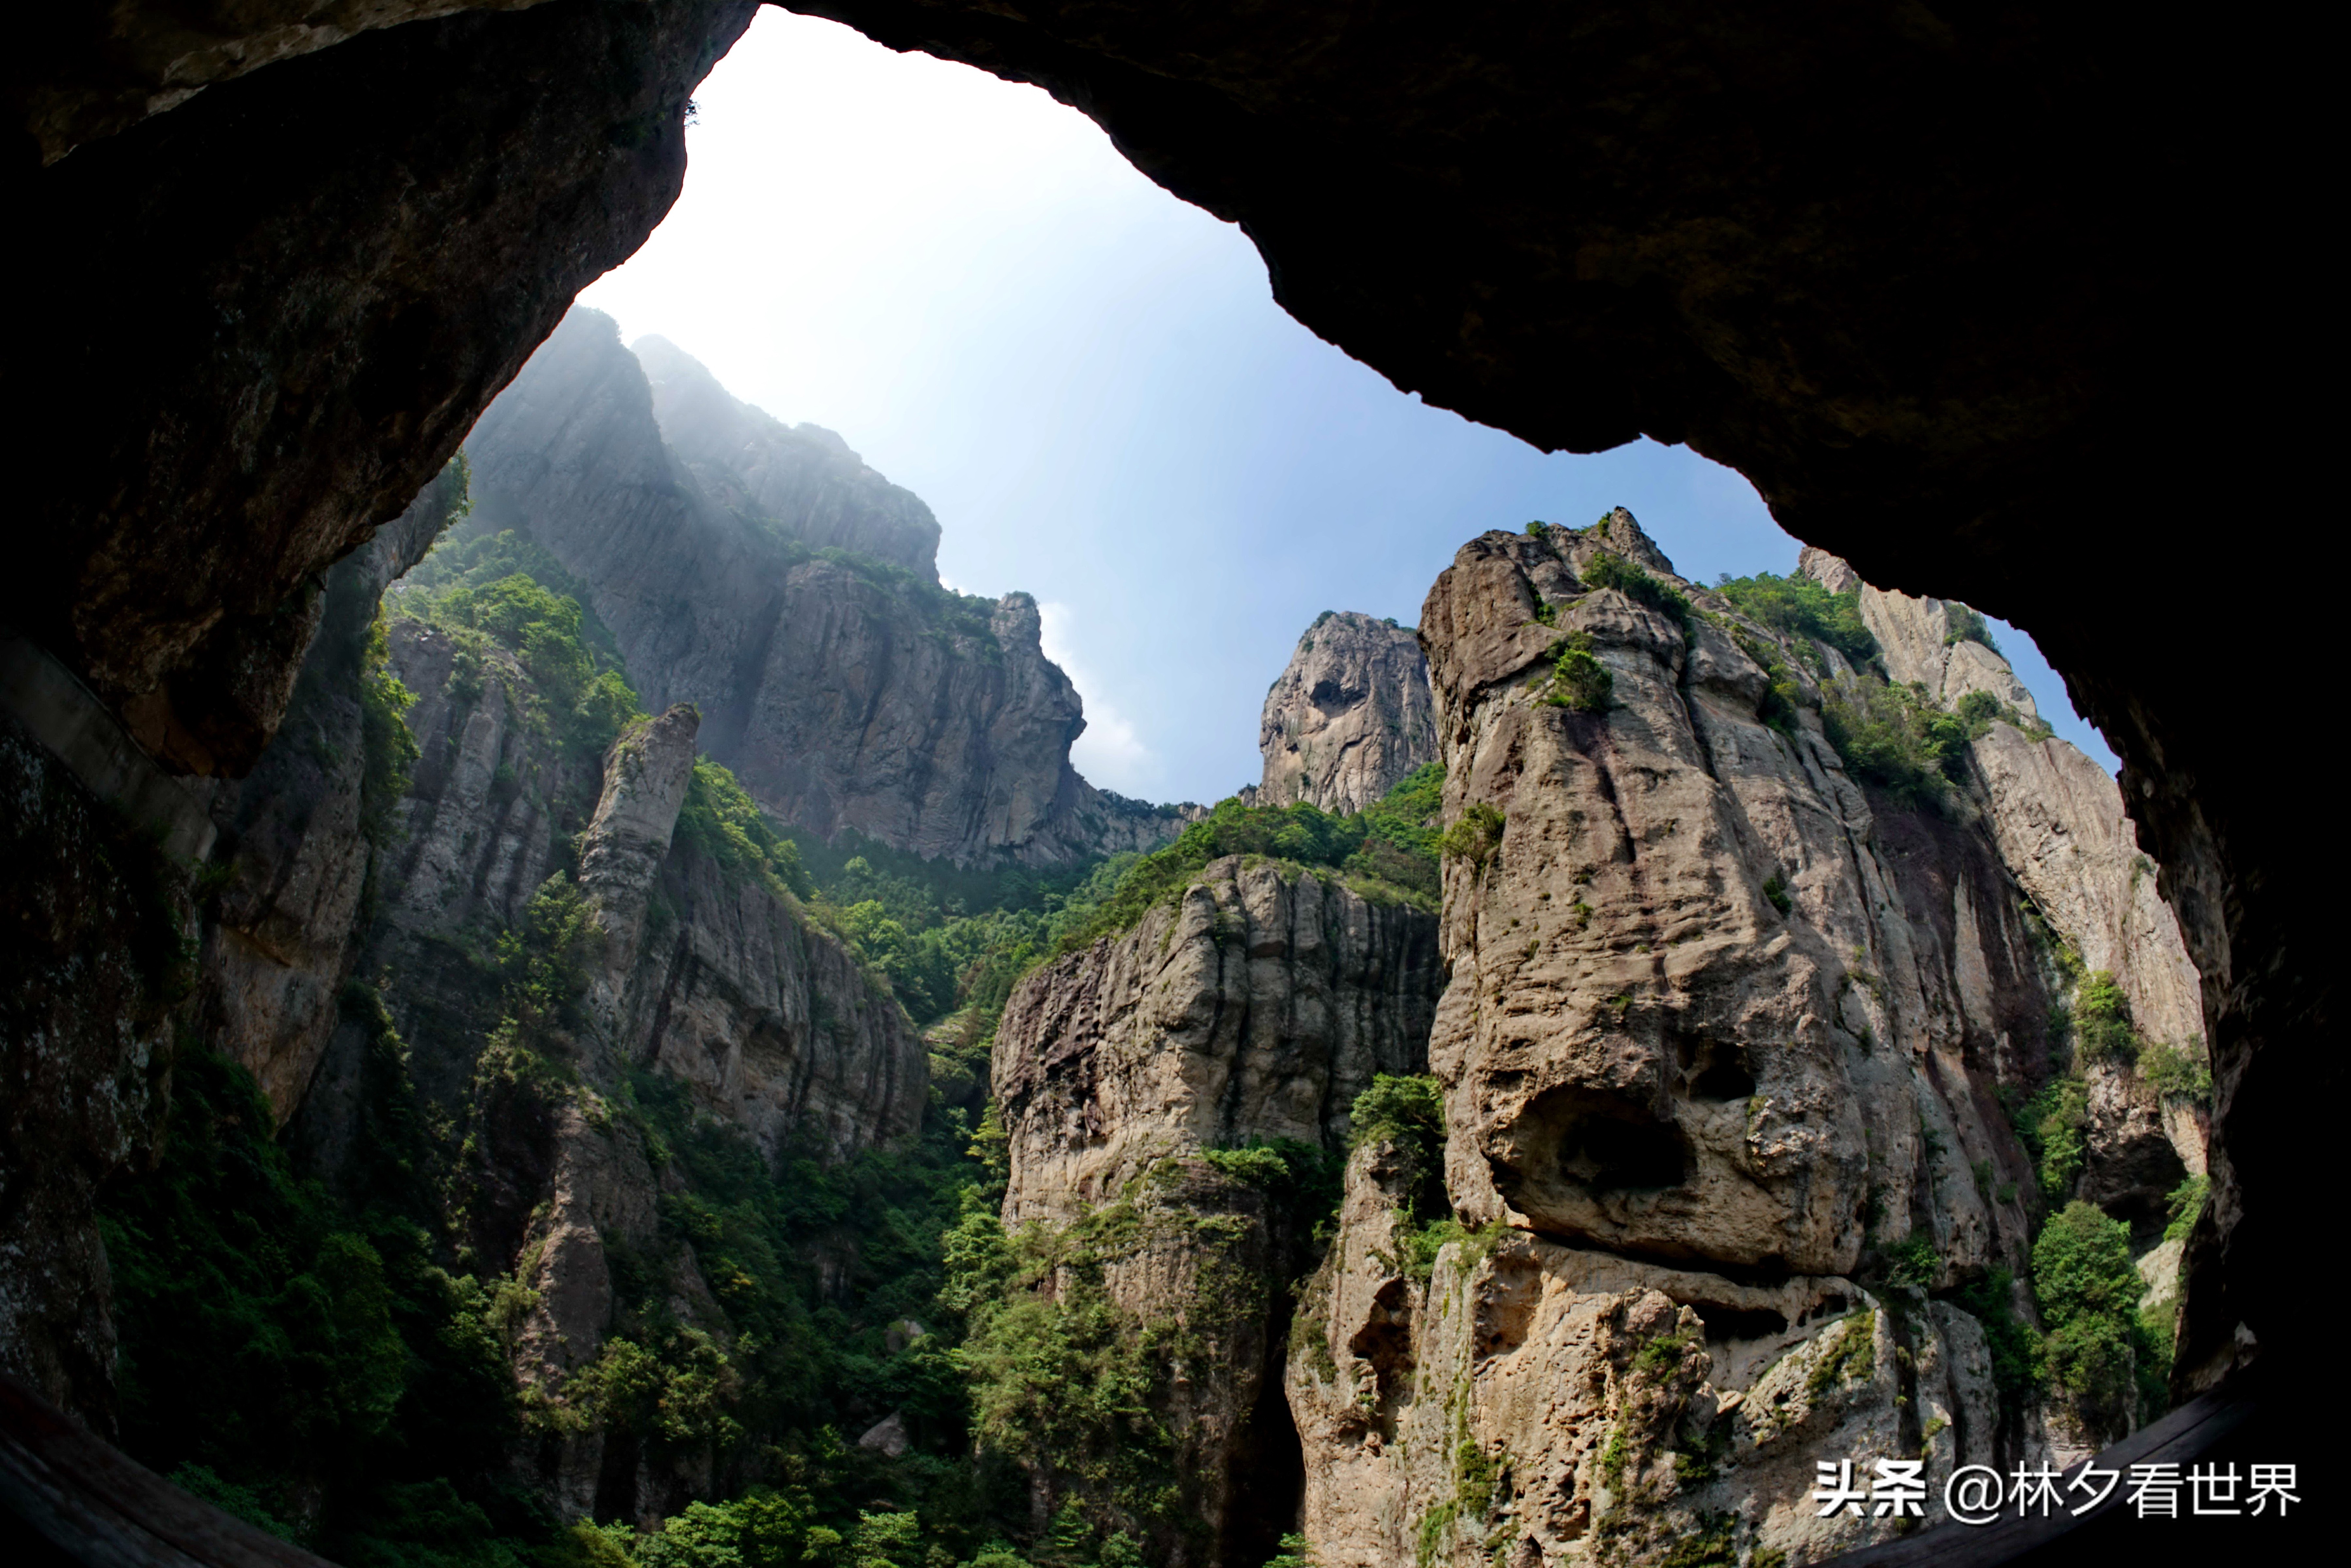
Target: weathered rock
(645, 777)
(1645, 1052)
(288, 918)
(1348, 717)
(94, 982)
(1795, 240)
(845, 694)
(801, 478)
(766, 1020)
(429, 198)
(1722, 1028)
(1541, 1403)
(2057, 820)
(1255, 1008)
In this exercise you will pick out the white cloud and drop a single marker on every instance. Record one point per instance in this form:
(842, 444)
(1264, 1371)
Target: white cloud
(1110, 753)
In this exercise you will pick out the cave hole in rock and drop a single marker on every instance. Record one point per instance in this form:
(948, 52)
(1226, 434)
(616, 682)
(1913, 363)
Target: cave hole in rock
(1607, 1142)
(1715, 1069)
(1741, 1323)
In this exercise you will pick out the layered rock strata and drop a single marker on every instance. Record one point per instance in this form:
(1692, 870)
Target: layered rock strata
(1253, 1007)
(767, 576)
(1348, 717)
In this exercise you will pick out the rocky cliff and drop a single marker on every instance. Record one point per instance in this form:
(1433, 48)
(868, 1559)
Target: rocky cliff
(1243, 1014)
(803, 479)
(767, 576)
(1349, 717)
(1726, 1053)
(2057, 823)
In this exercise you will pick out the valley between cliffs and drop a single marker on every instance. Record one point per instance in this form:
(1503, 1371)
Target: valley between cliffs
(582, 1099)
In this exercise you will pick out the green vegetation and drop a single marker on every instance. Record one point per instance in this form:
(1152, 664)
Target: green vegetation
(1407, 1113)
(2098, 1349)
(1384, 853)
(583, 697)
(1799, 607)
(1962, 624)
(391, 749)
(2177, 1072)
(1854, 1354)
(355, 1394)
(1073, 1387)
(1475, 834)
(720, 818)
(1609, 569)
(2053, 1125)
(2101, 1021)
(1775, 890)
(1579, 680)
(1892, 737)
(2186, 1205)
(2016, 1360)
(1912, 1261)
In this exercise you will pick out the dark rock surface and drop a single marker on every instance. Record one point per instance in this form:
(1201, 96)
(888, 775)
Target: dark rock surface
(269, 317)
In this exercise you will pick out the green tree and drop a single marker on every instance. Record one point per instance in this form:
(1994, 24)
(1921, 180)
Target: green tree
(2089, 1291)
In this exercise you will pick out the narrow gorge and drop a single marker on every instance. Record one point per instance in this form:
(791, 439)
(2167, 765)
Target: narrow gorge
(663, 1062)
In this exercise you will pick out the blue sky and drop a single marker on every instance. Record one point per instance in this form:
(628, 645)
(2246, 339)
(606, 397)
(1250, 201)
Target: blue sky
(1088, 382)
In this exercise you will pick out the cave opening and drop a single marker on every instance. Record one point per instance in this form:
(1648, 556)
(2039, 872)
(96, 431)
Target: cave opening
(2203, 817)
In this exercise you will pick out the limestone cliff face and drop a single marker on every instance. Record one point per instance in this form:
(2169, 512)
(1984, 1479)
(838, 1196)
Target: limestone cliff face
(802, 478)
(2057, 823)
(1720, 1029)
(1257, 1007)
(693, 971)
(1349, 717)
(1254, 1009)
(846, 690)
(288, 921)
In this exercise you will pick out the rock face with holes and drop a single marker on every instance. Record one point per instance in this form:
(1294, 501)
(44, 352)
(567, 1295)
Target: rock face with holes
(1349, 717)
(1250, 1008)
(1526, 1402)
(766, 575)
(1723, 1037)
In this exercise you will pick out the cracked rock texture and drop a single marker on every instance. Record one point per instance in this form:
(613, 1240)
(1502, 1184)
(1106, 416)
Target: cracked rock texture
(1531, 1403)
(1349, 717)
(2056, 820)
(1256, 1006)
(1253, 1007)
(845, 690)
(1721, 1027)
(1894, 267)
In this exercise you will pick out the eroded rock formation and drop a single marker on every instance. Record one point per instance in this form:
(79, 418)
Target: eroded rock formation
(1348, 717)
(848, 690)
(1252, 1009)
(1725, 1032)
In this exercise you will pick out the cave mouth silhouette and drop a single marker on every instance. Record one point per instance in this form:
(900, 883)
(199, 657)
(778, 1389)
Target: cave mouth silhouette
(1965, 294)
